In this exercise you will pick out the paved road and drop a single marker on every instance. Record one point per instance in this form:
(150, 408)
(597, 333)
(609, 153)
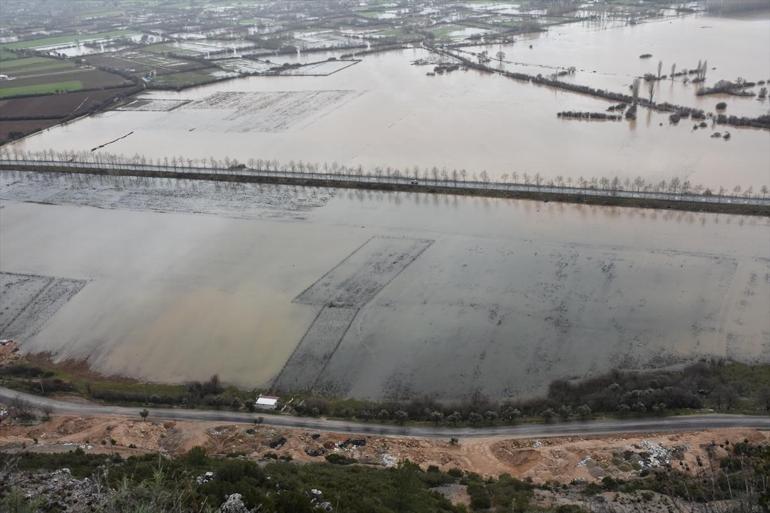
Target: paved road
(424, 184)
(594, 427)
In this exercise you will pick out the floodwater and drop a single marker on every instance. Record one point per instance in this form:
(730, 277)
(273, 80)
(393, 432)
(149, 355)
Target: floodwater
(394, 115)
(478, 295)
(606, 56)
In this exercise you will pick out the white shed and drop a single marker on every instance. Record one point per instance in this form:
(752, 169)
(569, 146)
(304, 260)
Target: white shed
(266, 402)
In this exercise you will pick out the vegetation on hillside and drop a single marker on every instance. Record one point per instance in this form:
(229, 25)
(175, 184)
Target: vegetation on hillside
(735, 474)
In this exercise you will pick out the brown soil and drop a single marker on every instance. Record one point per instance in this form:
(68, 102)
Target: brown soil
(56, 105)
(9, 353)
(24, 127)
(555, 459)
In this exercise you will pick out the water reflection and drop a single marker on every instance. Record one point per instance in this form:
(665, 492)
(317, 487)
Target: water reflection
(473, 121)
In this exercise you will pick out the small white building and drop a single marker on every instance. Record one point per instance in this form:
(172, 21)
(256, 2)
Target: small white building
(266, 402)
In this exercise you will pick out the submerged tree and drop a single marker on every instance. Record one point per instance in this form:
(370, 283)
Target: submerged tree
(635, 90)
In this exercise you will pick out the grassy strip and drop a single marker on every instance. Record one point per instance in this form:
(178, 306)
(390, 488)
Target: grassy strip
(36, 67)
(53, 87)
(24, 62)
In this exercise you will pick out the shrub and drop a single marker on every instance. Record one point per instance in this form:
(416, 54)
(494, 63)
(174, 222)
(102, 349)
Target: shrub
(339, 459)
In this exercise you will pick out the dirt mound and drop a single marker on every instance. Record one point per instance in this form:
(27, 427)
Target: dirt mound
(72, 425)
(522, 459)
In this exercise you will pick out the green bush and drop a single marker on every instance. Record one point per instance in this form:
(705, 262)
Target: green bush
(339, 459)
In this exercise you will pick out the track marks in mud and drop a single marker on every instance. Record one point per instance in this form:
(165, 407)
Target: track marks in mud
(341, 293)
(316, 348)
(366, 271)
(28, 301)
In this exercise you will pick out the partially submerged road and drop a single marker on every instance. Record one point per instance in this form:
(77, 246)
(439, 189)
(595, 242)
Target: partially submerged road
(593, 427)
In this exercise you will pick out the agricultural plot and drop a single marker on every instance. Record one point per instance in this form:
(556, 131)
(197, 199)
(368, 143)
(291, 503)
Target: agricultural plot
(65, 40)
(342, 292)
(201, 48)
(59, 81)
(153, 105)
(319, 69)
(132, 61)
(29, 301)
(23, 115)
(244, 66)
(381, 14)
(56, 106)
(358, 278)
(32, 66)
(316, 348)
(190, 78)
(10, 130)
(390, 33)
(322, 39)
(47, 88)
(498, 319)
(266, 111)
(16, 292)
(7, 55)
(229, 200)
(457, 32)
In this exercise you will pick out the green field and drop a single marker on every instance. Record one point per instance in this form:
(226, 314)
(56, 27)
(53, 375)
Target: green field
(34, 65)
(183, 79)
(71, 38)
(53, 87)
(7, 55)
(26, 61)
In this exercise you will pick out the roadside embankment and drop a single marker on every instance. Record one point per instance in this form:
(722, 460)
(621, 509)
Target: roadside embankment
(707, 202)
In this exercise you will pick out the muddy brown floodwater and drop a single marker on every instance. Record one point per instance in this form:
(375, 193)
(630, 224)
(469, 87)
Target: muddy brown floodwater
(385, 112)
(372, 294)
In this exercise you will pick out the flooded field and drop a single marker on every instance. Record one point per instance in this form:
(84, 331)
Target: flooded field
(377, 294)
(29, 301)
(393, 114)
(606, 55)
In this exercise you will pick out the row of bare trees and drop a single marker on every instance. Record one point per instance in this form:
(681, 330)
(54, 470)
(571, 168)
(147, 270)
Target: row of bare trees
(434, 175)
